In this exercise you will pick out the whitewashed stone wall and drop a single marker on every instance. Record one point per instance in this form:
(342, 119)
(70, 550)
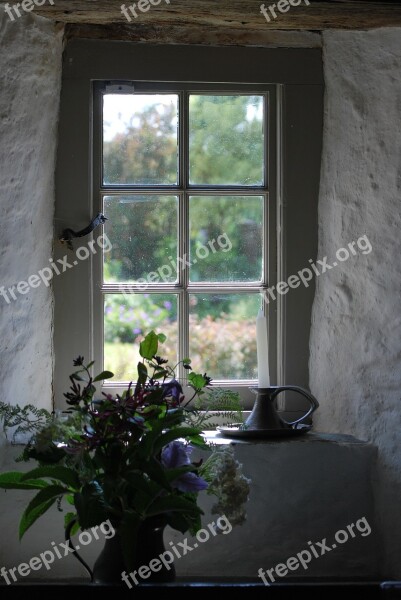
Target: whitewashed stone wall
(30, 76)
(355, 364)
(355, 343)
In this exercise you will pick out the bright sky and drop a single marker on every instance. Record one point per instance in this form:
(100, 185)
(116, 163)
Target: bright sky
(120, 109)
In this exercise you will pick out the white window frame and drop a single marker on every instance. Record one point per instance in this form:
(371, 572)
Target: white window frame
(184, 190)
(294, 82)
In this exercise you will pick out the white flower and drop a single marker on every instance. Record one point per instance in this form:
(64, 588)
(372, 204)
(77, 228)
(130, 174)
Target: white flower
(226, 481)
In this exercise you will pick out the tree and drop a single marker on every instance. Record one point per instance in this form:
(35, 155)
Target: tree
(225, 147)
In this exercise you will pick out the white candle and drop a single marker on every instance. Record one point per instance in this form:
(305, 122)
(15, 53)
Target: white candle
(262, 351)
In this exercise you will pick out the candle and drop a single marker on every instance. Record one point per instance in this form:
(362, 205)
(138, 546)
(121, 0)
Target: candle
(262, 351)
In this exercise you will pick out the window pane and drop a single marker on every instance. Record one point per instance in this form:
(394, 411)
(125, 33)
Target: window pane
(140, 139)
(226, 238)
(222, 334)
(142, 231)
(127, 319)
(226, 140)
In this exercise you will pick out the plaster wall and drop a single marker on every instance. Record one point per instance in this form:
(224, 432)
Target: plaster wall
(30, 76)
(356, 330)
(356, 323)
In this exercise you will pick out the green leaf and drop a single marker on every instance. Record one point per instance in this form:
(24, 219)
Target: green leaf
(199, 442)
(159, 374)
(138, 482)
(90, 505)
(78, 377)
(174, 416)
(186, 361)
(52, 491)
(179, 521)
(162, 338)
(174, 434)
(104, 375)
(39, 505)
(63, 474)
(156, 472)
(197, 381)
(142, 373)
(148, 347)
(28, 520)
(67, 520)
(12, 480)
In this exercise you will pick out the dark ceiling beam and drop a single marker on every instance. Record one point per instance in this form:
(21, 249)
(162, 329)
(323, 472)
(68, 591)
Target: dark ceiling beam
(235, 15)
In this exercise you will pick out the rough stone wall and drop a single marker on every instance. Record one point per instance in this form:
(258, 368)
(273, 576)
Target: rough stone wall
(30, 76)
(355, 343)
(355, 363)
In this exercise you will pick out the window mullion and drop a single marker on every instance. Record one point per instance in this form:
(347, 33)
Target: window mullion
(183, 234)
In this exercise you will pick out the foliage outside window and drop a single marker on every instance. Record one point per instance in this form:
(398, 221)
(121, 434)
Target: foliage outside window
(184, 175)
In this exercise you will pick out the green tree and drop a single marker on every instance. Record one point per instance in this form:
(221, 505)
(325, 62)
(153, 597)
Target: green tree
(226, 146)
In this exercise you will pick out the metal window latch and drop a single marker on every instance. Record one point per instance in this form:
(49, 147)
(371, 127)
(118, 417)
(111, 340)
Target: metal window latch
(67, 235)
(119, 87)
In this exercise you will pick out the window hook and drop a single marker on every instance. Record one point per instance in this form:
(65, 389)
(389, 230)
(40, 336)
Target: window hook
(67, 235)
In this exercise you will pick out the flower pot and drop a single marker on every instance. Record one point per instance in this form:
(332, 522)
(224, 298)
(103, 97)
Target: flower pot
(149, 546)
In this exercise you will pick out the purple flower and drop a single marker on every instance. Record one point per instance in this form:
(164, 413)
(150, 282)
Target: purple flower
(172, 388)
(189, 482)
(176, 454)
(167, 304)
(137, 330)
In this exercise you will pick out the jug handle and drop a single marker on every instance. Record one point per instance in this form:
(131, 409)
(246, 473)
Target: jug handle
(314, 404)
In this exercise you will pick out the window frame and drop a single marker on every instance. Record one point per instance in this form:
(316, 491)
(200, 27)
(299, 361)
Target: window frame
(294, 80)
(183, 189)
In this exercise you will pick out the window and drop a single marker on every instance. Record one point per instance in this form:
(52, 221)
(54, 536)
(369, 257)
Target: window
(211, 157)
(184, 184)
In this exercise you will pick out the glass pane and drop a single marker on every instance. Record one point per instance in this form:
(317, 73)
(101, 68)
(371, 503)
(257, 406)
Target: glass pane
(127, 319)
(226, 238)
(143, 235)
(226, 140)
(222, 334)
(140, 139)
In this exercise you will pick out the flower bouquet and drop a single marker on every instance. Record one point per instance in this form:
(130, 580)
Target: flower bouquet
(126, 458)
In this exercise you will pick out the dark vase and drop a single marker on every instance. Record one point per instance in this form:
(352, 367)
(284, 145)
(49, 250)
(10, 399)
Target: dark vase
(150, 544)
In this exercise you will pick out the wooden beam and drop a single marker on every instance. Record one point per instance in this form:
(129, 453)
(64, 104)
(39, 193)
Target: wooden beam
(205, 36)
(234, 15)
